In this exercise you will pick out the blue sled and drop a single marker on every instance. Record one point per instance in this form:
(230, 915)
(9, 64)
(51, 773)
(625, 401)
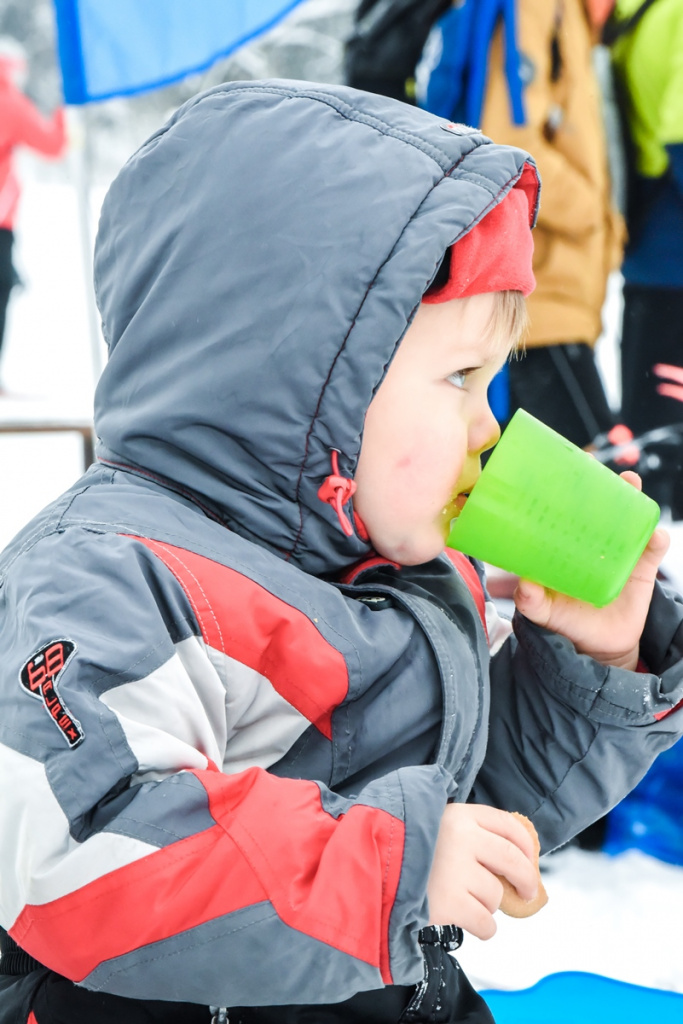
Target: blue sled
(573, 997)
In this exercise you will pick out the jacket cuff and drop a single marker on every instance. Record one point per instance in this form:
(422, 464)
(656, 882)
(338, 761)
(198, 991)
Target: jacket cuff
(425, 791)
(601, 693)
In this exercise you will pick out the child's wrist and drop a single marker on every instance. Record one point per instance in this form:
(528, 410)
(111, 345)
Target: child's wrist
(629, 660)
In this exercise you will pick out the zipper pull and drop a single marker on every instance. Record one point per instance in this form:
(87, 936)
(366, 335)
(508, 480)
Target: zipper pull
(220, 1015)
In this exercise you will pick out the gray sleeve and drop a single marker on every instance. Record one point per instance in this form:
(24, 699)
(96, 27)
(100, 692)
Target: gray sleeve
(569, 737)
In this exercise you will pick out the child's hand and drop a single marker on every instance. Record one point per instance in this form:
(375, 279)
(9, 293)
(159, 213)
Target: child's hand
(475, 844)
(611, 634)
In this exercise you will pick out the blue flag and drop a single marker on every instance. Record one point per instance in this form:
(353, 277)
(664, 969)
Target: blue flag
(121, 47)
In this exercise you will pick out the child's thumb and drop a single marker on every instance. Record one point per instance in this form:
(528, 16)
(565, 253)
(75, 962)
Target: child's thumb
(532, 600)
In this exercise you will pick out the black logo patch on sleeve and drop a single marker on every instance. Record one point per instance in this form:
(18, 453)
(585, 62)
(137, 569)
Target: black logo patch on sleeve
(39, 678)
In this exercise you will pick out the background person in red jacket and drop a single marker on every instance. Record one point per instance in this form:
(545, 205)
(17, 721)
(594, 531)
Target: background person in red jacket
(21, 124)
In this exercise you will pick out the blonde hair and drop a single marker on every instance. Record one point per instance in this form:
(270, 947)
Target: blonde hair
(510, 319)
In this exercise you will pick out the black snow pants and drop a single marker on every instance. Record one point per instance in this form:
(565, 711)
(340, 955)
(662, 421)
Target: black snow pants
(30, 994)
(652, 336)
(561, 386)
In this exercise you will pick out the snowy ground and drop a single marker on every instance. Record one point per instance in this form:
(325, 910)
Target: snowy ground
(614, 916)
(47, 366)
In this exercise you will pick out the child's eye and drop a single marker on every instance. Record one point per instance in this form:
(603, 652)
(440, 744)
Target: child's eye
(458, 379)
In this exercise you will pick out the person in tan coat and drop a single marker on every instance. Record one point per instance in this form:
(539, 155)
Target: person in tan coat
(579, 234)
(543, 95)
(578, 240)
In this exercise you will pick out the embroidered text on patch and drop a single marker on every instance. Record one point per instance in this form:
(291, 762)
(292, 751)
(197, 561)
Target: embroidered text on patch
(39, 678)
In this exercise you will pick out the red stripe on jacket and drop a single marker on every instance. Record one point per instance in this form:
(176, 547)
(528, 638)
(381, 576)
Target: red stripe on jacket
(334, 879)
(471, 578)
(246, 622)
(352, 574)
(669, 711)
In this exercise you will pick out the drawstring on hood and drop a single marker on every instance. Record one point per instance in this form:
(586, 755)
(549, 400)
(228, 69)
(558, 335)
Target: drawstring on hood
(337, 490)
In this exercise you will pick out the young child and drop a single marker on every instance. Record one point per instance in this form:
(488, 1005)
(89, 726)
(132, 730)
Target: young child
(256, 755)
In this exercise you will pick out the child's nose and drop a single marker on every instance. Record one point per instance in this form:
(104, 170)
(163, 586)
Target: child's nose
(484, 432)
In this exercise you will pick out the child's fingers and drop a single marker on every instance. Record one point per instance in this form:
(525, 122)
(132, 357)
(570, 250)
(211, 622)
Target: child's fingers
(504, 858)
(505, 825)
(647, 565)
(658, 544)
(534, 601)
(632, 478)
(476, 918)
(486, 887)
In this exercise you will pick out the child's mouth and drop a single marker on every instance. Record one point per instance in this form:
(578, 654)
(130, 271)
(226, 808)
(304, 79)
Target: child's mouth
(459, 503)
(454, 507)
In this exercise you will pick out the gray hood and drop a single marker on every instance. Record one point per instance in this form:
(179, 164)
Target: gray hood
(257, 262)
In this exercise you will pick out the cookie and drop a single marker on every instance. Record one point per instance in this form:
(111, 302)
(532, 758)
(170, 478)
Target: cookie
(512, 903)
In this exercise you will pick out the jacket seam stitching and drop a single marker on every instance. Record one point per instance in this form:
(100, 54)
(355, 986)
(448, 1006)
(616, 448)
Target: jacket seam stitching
(177, 952)
(350, 114)
(574, 687)
(503, 188)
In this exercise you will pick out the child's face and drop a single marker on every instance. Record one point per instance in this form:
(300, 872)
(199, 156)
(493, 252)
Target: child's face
(427, 427)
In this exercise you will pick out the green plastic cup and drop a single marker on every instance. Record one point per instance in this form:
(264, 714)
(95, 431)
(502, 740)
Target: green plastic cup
(549, 512)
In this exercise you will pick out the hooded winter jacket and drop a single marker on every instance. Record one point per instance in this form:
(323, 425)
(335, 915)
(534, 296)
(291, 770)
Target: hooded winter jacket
(226, 748)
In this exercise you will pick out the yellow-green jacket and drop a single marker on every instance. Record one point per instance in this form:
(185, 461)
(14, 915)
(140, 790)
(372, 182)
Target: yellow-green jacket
(650, 61)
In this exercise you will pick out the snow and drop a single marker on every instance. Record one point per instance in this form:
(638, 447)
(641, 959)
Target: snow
(47, 365)
(614, 916)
